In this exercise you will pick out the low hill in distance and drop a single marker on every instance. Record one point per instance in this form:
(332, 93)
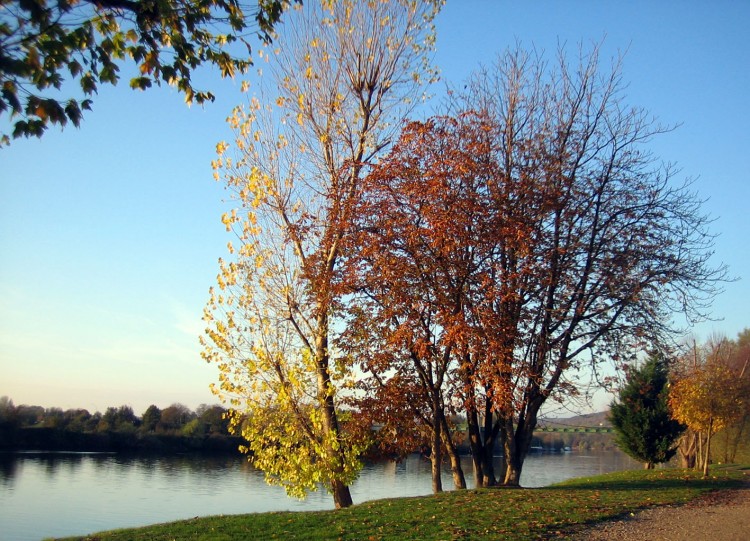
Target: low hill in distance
(589, 420)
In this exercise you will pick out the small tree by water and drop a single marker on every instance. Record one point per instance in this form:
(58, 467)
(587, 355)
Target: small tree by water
(644, 427)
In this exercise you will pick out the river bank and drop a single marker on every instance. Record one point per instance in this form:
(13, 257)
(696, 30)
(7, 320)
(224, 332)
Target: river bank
(558, 511)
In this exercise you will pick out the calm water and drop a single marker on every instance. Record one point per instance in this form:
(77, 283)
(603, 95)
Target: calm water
(46, 495)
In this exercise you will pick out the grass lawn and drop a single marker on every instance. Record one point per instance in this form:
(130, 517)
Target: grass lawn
(518, 514)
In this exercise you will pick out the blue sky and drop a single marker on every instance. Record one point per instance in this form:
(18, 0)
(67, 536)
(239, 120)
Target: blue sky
(110, 234)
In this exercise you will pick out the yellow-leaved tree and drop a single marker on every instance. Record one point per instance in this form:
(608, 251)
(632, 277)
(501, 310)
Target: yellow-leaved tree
(346, 72)
(706, 396)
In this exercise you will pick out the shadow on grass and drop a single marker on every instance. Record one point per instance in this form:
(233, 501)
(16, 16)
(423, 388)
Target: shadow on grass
(654, 484)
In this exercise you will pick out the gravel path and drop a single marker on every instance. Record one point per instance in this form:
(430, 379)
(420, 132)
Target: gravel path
(720, 516)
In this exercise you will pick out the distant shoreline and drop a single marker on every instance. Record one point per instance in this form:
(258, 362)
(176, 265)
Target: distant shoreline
(45, 439)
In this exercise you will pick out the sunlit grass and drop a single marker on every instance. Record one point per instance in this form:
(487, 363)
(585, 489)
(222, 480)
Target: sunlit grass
(519, 514)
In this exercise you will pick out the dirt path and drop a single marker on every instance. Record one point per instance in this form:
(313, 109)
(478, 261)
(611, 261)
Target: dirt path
(721, 516)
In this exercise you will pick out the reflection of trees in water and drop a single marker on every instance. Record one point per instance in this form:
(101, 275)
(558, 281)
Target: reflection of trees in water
(10, 468)
(53, 464)
(169, 466)
(120, 465)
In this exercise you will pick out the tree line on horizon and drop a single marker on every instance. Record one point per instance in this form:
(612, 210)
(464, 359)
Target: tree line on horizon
(25, 424)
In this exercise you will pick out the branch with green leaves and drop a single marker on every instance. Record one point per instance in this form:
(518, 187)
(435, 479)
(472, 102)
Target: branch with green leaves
(45, 43)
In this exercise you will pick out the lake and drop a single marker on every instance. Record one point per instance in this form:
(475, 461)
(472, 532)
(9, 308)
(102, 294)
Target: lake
(60, 494)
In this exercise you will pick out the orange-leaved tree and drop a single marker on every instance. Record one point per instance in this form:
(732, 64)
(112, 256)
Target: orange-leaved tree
(612, 246)
(413, 267)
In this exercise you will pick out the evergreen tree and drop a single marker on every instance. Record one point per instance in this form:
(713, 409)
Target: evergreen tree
(644, 427)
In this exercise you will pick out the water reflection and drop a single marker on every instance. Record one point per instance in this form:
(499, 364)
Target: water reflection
(67, 494)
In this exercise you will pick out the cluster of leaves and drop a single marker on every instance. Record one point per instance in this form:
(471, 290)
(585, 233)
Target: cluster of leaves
(644, 426)
(45, 42)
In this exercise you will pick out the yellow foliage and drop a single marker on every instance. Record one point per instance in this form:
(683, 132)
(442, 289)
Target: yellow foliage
(261, 321)
(703, 399)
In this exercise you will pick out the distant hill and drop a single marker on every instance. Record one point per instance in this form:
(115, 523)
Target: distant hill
(587, 420)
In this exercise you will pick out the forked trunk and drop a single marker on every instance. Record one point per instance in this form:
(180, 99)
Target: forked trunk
(482, 446)
(517, 445)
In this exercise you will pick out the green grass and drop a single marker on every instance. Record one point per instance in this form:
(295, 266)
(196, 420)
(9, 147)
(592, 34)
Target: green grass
(519, 514)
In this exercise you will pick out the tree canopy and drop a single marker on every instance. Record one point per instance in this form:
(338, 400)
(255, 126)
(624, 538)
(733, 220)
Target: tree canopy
(527, 235)
(45, 43)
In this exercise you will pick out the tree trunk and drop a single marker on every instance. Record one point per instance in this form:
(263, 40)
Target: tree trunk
(687, 449)
(482, 444)
(459, 480)
(436, 448)
(342, 497)
(707, 457)
(648, 465)
(475, 444)
(513, 462)
(517, 446)
(488, 456)
(436, 459)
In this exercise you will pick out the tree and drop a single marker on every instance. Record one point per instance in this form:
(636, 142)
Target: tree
(739, 363)
(708, 395)
(8, 413)
(644, 427)
(582, 248)
(120, 419)
(347, 72)
(213, 419)
(175, 417)
(421, 236)
(151, 418)
(45, 42)
(613, 248)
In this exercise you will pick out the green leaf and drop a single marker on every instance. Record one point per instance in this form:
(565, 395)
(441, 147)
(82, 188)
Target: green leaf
(140, 83)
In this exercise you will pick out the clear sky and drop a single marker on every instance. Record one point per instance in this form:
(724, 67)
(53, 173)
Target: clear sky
(110, 234)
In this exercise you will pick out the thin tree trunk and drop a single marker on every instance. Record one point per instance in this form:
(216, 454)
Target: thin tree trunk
(459, 480)
(436, 454)
(342, 497)
(707, 457)
(475, 443)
